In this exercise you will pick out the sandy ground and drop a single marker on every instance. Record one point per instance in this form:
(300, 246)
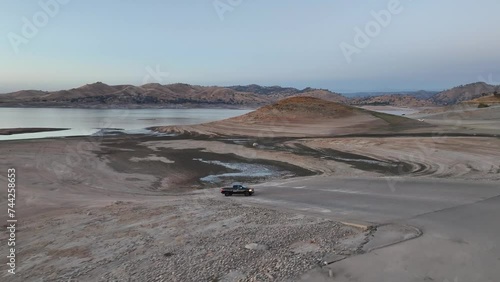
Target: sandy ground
(132, 208)
(463, 118)
(286, 129)
(181, 238)
(389, 109)
(62, 173)
(108, 210)
(475, 158)
(435, 156)
(339, 126)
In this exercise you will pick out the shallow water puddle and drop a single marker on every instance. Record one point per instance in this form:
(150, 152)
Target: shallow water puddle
(246, 170)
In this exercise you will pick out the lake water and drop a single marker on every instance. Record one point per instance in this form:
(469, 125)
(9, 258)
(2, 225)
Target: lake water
(93, 121)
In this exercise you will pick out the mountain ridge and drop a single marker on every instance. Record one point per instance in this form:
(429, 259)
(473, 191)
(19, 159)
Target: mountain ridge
(101, 95)
(154, 94)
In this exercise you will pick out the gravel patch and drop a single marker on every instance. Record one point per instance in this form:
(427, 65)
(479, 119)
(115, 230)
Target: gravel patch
(183, 239)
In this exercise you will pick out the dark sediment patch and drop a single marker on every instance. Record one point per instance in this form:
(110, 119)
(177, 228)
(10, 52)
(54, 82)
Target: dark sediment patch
(356, 161)
(370, 164)
(184, 168)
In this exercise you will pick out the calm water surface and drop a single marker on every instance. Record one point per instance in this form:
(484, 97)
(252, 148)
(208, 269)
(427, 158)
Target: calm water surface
(92, 121)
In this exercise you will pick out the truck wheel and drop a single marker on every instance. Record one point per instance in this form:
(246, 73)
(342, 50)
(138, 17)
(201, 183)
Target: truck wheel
(247, 193)
(227, 194)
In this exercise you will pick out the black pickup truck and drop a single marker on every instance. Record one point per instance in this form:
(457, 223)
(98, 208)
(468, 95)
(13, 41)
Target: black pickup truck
(237, 189)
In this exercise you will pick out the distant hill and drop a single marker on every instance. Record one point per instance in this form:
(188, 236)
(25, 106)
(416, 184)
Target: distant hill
(464, 93)
(148, 95)
(101, 95)
(154, 95)
(421, 94)
(398, 100)
(277, 93)
(265, 90)
(456, 110)
(425, 98)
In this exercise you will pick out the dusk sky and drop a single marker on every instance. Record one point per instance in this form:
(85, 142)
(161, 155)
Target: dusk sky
(410, 45)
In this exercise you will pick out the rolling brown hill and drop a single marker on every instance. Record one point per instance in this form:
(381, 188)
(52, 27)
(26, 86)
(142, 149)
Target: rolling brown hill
(464, 93)
(298, 109)
(301, 117)
(155, 95)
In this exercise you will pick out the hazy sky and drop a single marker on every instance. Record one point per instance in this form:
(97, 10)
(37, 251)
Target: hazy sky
(424, 44)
